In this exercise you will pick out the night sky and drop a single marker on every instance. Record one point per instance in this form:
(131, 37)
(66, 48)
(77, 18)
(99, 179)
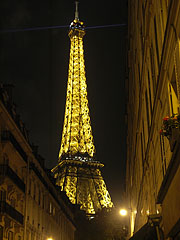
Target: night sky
(36, 63)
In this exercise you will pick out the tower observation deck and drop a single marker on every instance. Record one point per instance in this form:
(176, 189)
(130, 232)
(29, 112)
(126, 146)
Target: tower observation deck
(77, 172)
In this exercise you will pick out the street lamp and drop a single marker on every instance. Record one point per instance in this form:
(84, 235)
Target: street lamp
(50, 238)
(123, 212)
(131, 217)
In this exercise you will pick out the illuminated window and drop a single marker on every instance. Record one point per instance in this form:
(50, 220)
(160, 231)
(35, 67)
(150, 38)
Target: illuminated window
(173, 97)
(50, 207)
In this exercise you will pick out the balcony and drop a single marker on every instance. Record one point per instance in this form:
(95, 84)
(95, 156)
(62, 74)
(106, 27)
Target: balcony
(172, 167)
(5, 208)
(5, 170)
(8, 136)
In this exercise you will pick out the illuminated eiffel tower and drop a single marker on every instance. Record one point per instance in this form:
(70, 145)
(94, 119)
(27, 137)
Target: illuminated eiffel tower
(77, 172)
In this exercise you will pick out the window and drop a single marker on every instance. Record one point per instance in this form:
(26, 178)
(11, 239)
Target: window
(142, 149)
(5, 159)
(147, 110)
(139, 74)
(153, 71)
(32, 236)
(30, 186)
(150, 98)
(34, 191)
(50, 207)
(2, 195)
(1, 232)
(43, 202)
(39, 200)
(177, 237)
(167, 3)
(13, 202)
(27, 235)
(173, 98)
(54, 211)
(142, 41)
(10, 235)
(156, 39)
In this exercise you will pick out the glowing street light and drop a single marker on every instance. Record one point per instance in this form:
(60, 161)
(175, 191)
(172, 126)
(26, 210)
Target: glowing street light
(50, 238)
(131, 216)
(123, 212)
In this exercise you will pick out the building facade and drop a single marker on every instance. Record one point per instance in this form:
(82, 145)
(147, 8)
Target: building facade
(31, 206)
(153, 143)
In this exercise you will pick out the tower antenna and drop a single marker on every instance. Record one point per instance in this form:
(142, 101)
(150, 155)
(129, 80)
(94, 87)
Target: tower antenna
(76, 12)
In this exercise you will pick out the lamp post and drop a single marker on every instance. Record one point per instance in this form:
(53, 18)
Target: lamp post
(131, 216)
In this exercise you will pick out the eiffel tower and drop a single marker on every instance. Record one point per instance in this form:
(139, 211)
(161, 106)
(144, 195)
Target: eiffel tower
(77, 172)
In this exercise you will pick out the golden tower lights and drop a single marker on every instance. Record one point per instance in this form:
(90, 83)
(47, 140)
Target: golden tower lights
(77, 172)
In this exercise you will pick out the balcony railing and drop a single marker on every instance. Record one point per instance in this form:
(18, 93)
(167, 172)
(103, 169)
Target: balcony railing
(5, 170)
(5, 208)
(8, 136)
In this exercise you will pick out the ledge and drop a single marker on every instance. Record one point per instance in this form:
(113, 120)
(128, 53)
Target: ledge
(8, 136)
(11, 212)
(5, 170)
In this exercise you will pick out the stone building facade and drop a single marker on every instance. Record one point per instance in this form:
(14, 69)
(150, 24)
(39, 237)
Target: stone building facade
(153, 94)
(31, 205)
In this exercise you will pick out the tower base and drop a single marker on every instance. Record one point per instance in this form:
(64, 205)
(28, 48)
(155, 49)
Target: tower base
(83, 183)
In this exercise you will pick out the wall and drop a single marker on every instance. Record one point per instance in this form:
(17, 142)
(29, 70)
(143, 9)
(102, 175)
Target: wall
(153, 68)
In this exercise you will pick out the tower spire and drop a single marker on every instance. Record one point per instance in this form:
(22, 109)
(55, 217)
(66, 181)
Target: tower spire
(76, 12)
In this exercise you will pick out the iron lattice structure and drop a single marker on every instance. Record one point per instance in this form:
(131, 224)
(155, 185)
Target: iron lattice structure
(77, 173)
(77, 133)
